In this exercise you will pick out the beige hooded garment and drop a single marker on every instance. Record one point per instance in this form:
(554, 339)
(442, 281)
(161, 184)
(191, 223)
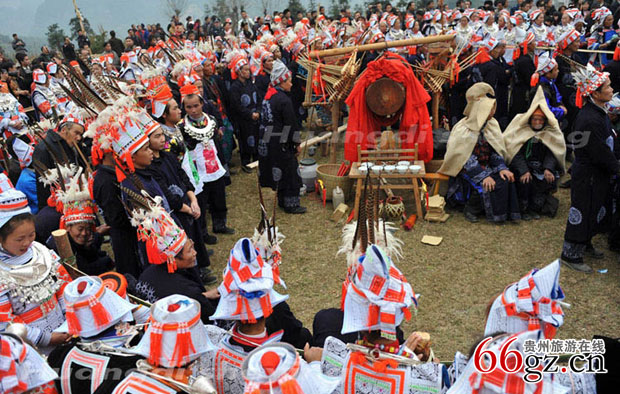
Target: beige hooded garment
(519, 132)
(464, 135)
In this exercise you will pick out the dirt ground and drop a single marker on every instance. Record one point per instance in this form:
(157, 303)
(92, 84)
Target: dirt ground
(456, 279)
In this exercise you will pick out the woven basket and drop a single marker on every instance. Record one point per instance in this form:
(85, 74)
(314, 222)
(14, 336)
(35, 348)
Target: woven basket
(327, 173)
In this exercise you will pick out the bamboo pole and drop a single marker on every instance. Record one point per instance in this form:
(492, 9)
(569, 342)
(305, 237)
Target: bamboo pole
(381, 45)
(310, 142)
(335, 135)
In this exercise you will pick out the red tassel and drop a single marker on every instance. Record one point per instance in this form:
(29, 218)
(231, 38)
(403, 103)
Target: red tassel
(345, 286)
(156, 341)
(183, 346)
(373, 315)
(129, 161)
(482, 56)
(265, 304)
(617, 54)
(534, 79)
(525, 48)
(579, 99)
(251, 317)
(100, 314)
(407, 313)
(290, 386)
(549, 331)
(120, 175)
(72, 321)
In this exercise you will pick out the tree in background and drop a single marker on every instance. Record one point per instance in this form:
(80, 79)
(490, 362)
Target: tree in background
(221, 9)
(97, 41)
(228, 9)
(55, 36)
(295, 6)
(267, 6)
(313, 6)
(175, 7)
(74, 25)
(336, 6)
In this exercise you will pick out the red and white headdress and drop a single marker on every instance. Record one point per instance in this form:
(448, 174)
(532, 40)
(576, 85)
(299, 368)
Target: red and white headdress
(176, 335)
(22, 368)
(535, 13)
(546, 63)
(159, 100)
(92, 308)
(236, 59)
(279, 73)
(12, 201)
(276, 368)
(587, 79)
(77, 202)
(567, 37)
(472, 381)
(123, 129)
(377, 297)
(164, 239)
(532, 303)
(247, 289)
(23, 152)
(39, 76)
(51, 67)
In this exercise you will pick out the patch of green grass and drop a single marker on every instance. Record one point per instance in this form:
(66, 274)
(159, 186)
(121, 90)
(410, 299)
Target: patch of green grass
(457, 279)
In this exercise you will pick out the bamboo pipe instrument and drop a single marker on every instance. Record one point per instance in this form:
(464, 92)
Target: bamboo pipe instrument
(381, 45)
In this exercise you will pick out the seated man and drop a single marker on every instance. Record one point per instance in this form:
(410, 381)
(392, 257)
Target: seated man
(535, 151)
(481, 181)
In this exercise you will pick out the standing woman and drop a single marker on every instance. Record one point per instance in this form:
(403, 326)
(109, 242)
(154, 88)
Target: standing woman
(592, 171)
(31, 277)
(279, 141)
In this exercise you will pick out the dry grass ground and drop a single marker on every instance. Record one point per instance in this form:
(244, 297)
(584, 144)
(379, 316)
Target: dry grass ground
(456, 279)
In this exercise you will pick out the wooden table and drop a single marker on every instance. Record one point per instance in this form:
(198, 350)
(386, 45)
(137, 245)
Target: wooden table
(413, 185)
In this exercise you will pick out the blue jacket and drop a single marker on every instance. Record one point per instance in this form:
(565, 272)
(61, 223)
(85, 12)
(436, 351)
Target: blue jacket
(27, 184)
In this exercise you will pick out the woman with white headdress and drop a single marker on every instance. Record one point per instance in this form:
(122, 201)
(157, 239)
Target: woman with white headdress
(603, 36)
(31, 277)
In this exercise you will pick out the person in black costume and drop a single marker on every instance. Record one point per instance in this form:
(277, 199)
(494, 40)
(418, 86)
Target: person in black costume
(246, 111)
(279, 142)
(591, 173)
(524, 67)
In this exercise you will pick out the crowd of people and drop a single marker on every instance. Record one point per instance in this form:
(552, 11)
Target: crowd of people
(138, 144)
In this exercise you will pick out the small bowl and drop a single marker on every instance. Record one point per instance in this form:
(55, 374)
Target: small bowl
(376, 169)
(414, 168)
(404, 163)
(402, 169)
(363, 170)
(389, 168)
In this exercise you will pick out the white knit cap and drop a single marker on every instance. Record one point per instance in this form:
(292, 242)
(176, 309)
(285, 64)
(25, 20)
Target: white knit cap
(279, 73)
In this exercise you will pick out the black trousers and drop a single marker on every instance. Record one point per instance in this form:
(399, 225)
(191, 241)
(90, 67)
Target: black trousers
(125, 248)
(212, 199)
(248, 142)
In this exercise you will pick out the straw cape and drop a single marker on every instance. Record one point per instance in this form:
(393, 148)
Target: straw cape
(464, 135)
